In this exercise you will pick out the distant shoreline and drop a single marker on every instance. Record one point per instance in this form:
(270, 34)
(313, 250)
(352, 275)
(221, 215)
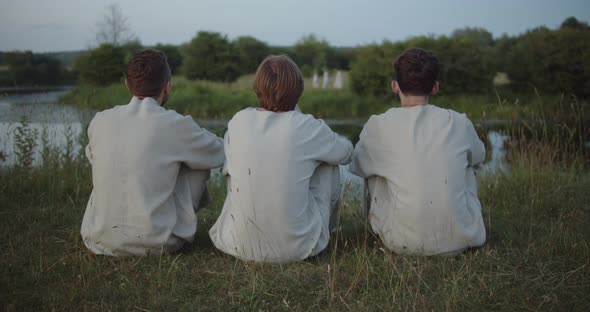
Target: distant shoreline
(33, 89)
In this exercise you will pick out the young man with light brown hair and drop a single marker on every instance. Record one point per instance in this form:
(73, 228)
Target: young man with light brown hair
(149, 168)
(283, 182)
(419, 162)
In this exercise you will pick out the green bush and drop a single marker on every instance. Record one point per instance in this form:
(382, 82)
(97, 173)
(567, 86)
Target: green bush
(28, 68)
(371, 73)
(467, 65)
(210, 56)
(173, 55)
(311, 53)
(250, 52)
(101, 66)
(552, 60)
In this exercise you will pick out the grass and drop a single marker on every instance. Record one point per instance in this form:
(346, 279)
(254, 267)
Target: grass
(205, 99)
(537, 256)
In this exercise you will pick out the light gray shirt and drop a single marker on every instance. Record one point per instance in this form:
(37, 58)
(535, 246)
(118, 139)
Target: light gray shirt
(419, 163)
(138, 204)
(270, 213)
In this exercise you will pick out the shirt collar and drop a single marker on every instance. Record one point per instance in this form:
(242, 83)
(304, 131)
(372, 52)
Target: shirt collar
(145, 101)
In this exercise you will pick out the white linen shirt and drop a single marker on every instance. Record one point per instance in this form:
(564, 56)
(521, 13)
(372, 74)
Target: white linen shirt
(138, 204)
(419, 163)
(270, 213)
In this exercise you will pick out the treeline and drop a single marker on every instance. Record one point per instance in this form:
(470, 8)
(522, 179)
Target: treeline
(30, 69)
(548, 60)
(212, 56)
(540, 60)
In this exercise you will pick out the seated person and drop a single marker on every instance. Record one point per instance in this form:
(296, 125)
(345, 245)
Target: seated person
(418, 161)
(149, 168)
(283, 179)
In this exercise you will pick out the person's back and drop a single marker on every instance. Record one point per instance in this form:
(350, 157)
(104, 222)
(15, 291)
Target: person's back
(283, 180)
(149, 166)
(419, 163)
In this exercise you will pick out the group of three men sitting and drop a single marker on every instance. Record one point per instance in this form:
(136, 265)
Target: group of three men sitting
(150, 167)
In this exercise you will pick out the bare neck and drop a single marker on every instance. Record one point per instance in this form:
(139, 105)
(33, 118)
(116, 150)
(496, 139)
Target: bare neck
(413, 100)
(158, 99)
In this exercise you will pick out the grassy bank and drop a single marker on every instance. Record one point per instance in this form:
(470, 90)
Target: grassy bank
(537, 256)
(204, 99)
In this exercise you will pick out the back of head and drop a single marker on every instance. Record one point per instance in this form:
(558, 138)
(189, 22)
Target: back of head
(278, 83)
(147, 73)
(416, 71)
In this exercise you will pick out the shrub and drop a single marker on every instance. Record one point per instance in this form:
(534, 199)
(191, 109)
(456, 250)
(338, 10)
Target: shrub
(28, 68)
(101, 66)
(173, 55)
(210, 56)
(552, 60)
(250, 52)
(371, 73)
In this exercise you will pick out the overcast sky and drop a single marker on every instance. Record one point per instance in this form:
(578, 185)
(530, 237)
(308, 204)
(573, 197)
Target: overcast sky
(59, 25)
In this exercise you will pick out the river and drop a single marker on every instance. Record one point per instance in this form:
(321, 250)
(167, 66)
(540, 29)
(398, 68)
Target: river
(63, 124)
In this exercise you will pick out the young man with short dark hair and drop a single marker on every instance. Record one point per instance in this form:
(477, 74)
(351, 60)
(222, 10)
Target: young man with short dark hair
(418, 161)
(283, 182)
(149, 168)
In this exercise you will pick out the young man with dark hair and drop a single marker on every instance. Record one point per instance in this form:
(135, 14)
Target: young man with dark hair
(149, 168)
(283, 180)
(418, 163)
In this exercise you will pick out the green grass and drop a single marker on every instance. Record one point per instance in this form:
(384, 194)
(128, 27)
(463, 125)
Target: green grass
(537, 256)
(205, 99)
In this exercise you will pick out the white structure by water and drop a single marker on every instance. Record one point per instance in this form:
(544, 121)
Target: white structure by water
(315, 83)
(325, 80)
(338, 82)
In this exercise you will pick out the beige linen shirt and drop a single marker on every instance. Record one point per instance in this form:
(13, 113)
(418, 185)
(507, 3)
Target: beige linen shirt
(272, 213)
(142, 200)
(419, 162)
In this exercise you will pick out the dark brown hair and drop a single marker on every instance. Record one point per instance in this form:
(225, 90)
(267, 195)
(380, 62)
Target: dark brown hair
(416, 71)
(147, 73)
(278, 83)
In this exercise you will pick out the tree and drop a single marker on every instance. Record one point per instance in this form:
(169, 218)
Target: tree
(114, 27)
(33, 69)
(311, 53)
(552, 60)
(371, 72)
(250, 52)
(479, 36)
(572, 22)
(101, 66)
(502, 48)
(210, 56)
(341, 58)
(466, 65)
(172, 54)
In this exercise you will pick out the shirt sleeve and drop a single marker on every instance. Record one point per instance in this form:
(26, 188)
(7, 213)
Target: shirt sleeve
(198, 148)
(331, 148)
(369, 154)
(477, 150)
(224, 170)
(89, 132)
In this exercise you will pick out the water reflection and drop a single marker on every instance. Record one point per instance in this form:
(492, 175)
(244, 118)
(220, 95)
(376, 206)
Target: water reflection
(61, 123)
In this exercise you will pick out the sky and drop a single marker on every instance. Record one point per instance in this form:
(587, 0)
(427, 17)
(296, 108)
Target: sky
(64, 25)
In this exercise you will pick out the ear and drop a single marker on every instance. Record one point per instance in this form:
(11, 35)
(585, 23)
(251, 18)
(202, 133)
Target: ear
(395, 87)
(127, 85)
(167, 88)
(435, 89)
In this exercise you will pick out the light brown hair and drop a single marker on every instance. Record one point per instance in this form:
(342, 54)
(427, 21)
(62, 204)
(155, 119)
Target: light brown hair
(278, 83)
(147, 73)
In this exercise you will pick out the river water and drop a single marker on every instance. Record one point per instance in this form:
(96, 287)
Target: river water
(62, 125)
